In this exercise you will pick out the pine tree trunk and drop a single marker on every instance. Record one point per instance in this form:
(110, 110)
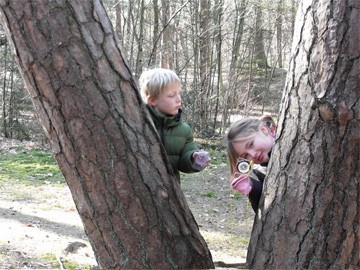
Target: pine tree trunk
(309, 218)
(133, 211)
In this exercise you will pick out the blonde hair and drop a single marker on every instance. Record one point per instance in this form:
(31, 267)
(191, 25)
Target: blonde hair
(153, 82)
(244, 129)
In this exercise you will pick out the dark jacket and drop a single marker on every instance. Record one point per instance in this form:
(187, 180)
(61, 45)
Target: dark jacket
(177, 138)
(257, 181)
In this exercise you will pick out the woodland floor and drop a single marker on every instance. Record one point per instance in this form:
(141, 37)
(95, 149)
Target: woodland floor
(41, 229)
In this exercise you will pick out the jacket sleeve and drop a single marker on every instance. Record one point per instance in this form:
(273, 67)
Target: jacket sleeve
(185, 158)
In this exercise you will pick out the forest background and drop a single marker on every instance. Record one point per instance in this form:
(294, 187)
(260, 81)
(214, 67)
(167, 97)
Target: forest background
(230, 55)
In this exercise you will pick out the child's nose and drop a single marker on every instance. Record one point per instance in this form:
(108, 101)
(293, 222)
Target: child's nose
(252, 154)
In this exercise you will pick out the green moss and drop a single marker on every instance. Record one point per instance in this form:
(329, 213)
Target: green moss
(238, 196)
(33, 167)
(210, 194)
(50, 258)
(53, 259)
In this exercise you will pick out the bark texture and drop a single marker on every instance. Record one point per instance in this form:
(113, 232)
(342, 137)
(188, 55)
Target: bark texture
(309, 218)
(133, 211)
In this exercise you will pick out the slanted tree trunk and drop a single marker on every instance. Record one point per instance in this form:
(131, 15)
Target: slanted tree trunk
(309, 215)
(133, 211)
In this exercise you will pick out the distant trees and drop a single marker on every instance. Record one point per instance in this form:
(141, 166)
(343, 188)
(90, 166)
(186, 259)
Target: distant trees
(227, 53)
(16, 120)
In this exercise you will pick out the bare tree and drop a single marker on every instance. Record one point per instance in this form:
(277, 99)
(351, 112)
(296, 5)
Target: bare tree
(140, 41)
(3, 40)
(153, 58)
(118, 23)
(166, 37)
(218, 37)
(205, 58)
(309, 216)
(4, 105)
(279, 32)
(134, 213)
(259, 47)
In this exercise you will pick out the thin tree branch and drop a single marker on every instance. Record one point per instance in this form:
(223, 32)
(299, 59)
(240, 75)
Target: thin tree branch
(166, 25)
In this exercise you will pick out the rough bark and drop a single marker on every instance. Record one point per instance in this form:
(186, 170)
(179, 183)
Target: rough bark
(133, 211)
(309, 216)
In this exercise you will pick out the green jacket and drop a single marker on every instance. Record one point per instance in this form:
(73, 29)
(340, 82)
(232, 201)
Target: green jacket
(177, 138)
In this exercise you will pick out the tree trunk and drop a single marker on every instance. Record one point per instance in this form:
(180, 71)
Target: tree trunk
(259, 46)
(133, 211)
(4, 96)
(279, 32)
(153, 56)
(166, 36)
(118, 24)
(238, 33)
(222, 92)
(140, 42)
(309, 215)
(205, 45)
(194, 116)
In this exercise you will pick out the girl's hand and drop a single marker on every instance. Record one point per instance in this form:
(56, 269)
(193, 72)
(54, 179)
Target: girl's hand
(242, 183)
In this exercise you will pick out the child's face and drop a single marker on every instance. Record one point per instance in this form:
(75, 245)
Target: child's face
(169, 101)
(257, 147)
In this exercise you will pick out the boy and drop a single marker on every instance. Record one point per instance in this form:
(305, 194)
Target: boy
(160, 89)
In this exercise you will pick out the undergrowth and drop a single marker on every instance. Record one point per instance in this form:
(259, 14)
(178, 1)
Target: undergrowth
(29, 167)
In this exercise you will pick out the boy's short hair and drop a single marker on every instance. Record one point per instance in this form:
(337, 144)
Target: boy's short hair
(153, 82)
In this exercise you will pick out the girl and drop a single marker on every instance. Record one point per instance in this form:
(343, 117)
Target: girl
(251, 140)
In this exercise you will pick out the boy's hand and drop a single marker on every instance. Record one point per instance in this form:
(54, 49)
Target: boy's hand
(201, 159)
(242, 183)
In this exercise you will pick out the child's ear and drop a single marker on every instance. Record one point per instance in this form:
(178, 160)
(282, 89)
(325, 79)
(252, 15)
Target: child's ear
(268, 130)
(151, 101)
(273, 130)
(265, 130)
